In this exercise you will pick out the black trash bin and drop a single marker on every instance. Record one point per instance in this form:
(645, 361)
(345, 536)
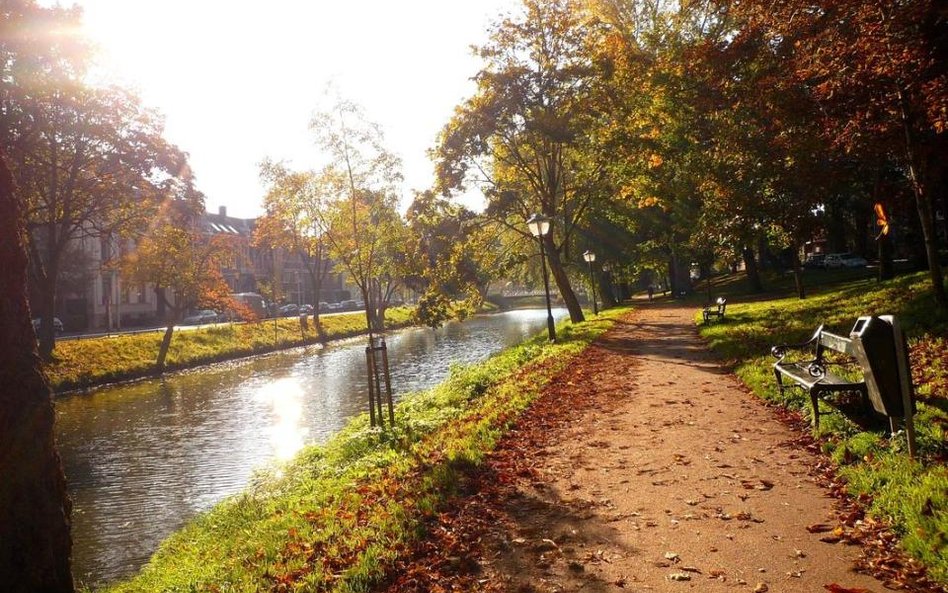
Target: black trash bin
(880, 347)
(874, 344)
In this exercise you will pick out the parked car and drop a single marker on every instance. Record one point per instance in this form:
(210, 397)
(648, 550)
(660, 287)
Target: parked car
(57, 325)
(854, 261)
(845, 260)
(348, 305)
(815, 261)
(254, 302)
(323, 306)
(290, 310)
(201, 317)
(306, 309)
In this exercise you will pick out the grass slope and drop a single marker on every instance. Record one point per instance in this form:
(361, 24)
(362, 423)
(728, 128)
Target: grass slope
(911, 496)
(335, 518)
(94, 361)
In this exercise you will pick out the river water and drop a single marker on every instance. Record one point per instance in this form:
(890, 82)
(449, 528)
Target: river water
(143, 458)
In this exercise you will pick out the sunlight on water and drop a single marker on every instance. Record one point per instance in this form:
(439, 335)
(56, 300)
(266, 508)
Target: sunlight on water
(288, 433)
(143, 458)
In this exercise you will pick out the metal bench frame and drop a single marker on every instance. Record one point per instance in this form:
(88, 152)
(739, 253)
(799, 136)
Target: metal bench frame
(718, 312)
(813, 375)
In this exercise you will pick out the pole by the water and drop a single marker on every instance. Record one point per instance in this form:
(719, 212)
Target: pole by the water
(550, 326)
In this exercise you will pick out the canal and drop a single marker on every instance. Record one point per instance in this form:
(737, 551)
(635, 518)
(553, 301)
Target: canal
(143, 458)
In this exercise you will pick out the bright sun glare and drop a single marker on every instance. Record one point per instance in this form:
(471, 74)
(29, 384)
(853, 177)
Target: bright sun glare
(238, 82)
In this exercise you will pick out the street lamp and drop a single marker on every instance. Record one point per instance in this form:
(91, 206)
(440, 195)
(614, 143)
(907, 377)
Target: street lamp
(590, 257)
(539, 227)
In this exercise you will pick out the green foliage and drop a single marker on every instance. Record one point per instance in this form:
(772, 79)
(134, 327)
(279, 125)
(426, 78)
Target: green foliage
(911, 496)
(334, 517)
(83, 363)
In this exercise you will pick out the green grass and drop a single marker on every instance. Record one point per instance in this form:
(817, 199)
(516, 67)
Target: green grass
(84, 363)
(911, 496)
(335, 517)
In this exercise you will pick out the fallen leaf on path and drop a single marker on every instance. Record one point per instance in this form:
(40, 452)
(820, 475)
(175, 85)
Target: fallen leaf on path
(819, 528)
(761, 588)
(679, 576)
(672, 556)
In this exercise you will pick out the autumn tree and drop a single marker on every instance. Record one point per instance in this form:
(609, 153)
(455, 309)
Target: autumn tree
(35, 547)
(523, 137)
(457, 256)
(360, 222)
(294, 222)
(87, 161)
(877, 69)
(653, 138)
(176, 258)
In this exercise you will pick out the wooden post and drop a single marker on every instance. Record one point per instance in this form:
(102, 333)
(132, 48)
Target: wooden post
(369, 364)
(378, 383)
(388, 384)
(905, 375)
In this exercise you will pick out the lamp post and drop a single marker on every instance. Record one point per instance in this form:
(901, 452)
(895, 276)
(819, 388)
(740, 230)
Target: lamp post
(590, 257)
(539, 227)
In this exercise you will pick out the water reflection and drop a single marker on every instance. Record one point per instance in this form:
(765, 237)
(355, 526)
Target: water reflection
(143, 458)
(288, 433)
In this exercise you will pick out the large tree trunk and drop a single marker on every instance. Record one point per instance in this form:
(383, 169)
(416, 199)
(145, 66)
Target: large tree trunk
(604, 280)
(679, 276)
(35, 544)
(923, 204)
(753, 274)
(562, 282)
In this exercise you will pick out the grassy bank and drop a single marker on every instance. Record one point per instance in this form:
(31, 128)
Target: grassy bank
(911, 496)
(335, 517)
(95, 361)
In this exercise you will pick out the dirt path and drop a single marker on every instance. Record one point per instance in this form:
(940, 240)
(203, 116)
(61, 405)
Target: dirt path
(648, 468)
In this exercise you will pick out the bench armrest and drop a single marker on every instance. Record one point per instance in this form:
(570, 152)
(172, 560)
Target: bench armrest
(779, 352)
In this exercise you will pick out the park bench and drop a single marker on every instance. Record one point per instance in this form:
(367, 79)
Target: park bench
(715, 310)
(878, 346)
(815, 374)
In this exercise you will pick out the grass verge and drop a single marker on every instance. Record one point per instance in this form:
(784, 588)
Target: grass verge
(911, 496)
(335, 517)
(96, 361)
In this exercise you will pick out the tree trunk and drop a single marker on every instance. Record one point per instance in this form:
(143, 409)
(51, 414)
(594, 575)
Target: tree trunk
(923, 204)
(562, 282)
(680, 276)
(163, 349)
(931, 249)
(886, 265)
(35, 545)
(753, 274)
(797, 270)
(47, 332)
(604, 280)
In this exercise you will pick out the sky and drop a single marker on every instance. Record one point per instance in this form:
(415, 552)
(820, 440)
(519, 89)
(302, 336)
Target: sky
(238, 81)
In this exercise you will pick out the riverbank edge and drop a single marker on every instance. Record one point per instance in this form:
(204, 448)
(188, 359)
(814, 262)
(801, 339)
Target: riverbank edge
(910, 497)
(108, 378)
(336, 517)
